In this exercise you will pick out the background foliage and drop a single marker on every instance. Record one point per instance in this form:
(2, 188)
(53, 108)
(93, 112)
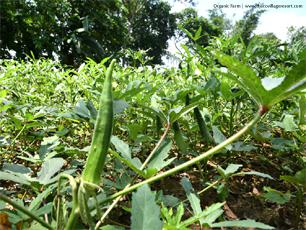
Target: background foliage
(226, 74)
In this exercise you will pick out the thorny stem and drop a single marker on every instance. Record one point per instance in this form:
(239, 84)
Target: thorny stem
(189, 163)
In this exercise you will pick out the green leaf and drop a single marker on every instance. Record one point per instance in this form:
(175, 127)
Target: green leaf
(169, 200)
(192, 196)
(49, 168)
(226, 90)
(298, 179)
(81, 109)
(34, 124)
(301, 138)
(131, 163)
(198, 34)
(275, 198)
(186, 31)
(211, 209)
(157, 112)
(212, 216)
(125, 151)
(223, 191)
(287, 123)
(46, 209)
(273, 91)
(173, 222)
(290, 179)
(210, 84)
(92, 110)
(17, 122)
(219, 137)
(134, 130)
(238, 146)
(119, 106)
(16, 168)
(232, 168)
(69, 115)
(301, 177)
(37, 201)
(145, 212)
(177, 112)
(249, 80)
(241, 223)
(122, 182)
(17, 179)
(157, 161)
(132, 92)
(4, 107)
(187, 52)
(68, 172)
(47, 145)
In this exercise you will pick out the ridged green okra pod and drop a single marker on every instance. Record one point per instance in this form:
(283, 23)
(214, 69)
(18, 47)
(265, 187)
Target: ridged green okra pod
(102, 132)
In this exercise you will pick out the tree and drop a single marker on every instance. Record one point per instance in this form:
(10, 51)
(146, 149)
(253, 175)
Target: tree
(132, 8)
(295, 35)
(218, 18)
(73, 30)
(151, 29)
(269, 39)
(246, 26)
(189, 20)
(17, 29)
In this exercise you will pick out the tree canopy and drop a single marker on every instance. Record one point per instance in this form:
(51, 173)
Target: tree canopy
(73, 30)
(191, 21)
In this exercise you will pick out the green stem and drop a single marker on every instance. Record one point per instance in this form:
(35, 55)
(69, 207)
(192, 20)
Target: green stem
(231, 131)
(26, 211)
(189, 163)
(75, 213)
(13, 142)
(299, 202)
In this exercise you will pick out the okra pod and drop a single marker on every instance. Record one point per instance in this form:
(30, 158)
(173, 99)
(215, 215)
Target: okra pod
(102, 132)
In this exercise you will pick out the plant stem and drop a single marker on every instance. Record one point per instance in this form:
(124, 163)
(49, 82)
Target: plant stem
(25, 211)
(189, 163)
(75, 213)
(13, 142)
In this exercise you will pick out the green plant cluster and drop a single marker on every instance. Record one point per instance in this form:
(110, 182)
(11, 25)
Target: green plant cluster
(222, 103)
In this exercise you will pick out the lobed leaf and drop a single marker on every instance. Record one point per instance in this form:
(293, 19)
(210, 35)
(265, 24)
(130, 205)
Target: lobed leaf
(145, 212)
(267, 91)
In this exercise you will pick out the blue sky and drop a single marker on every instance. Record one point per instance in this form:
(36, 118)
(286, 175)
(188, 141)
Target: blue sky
(273, 20)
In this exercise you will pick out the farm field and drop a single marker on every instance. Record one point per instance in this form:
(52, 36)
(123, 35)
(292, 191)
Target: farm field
(217, 142)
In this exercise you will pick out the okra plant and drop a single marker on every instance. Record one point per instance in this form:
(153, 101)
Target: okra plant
(89, 195)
